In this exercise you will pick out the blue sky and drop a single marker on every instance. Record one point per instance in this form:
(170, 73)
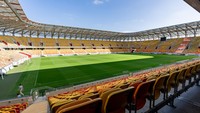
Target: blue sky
(111, 15)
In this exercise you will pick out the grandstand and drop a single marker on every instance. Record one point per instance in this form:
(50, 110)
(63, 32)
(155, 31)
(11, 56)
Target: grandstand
(24, 43)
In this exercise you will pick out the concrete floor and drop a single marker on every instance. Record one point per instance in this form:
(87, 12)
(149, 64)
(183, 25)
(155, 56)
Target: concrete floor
(187, 102)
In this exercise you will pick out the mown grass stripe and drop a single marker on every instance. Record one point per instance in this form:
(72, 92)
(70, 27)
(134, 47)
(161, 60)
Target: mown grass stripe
(72, 70)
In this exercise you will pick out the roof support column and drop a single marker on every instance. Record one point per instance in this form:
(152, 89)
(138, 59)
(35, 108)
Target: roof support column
(45, 34)
(58, 35)
(65, 35)
(70, 36)
(75, 36)
(4, 30)
(22, 34)
(178, 36)
(13, 33)
(186, 33)
(30, 33)
(195, 32)
(85, 37)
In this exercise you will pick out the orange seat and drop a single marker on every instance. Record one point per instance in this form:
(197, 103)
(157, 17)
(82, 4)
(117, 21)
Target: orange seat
(139, 96)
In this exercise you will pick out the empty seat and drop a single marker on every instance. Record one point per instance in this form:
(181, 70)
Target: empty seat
(140, 94)
(82, 106)
(89, 95)
(171, 82)
(188, 74)
(55, 106)
(116, 101)
(105, 94)
(158, 87)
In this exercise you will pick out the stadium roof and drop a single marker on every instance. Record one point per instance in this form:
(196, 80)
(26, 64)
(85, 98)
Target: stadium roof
(194, 3)
(14, 22)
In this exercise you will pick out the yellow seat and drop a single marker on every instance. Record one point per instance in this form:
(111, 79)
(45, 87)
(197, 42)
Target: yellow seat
(171, 82)
(89, 95)
(105, 94)
(159, 86)
(58, 104)
(82, 106)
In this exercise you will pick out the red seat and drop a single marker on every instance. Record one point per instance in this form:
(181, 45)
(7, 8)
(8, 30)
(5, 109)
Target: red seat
(140, 94)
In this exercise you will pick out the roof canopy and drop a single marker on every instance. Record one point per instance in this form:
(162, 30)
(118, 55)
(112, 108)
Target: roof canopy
(13, 21)
(194, 3)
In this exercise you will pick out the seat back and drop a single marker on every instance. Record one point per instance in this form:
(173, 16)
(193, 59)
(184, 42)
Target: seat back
(122, 86)
(159, 85)
(142, 90)
(89, 95)
(181, 76)
(118, 100)
(55, 106)
(105, 94)
(188, 72)
(172, 80)
(193, 70)
(91, 106)
(198, 68)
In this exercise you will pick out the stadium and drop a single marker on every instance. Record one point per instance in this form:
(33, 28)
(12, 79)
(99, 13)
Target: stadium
(48, 68)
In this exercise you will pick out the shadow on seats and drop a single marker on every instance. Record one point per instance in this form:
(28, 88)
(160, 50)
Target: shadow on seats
(82, 106)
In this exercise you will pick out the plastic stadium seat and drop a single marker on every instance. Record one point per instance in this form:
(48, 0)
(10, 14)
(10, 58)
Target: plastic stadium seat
(14, 108)
(194, 71)
(197, 70)
(55, 106)
(184, 75)
(66, 105)
(191, 73)
(188, 74)
(197, 74)
(122, 86)
(171, 82)
(181, 77)
(103, 90)
(1, 111)
(174, 80)
(158, 87)
(82, 106)
(89, 95)
(105, 94)
(115, 102)
(9, 110)
(140, 94)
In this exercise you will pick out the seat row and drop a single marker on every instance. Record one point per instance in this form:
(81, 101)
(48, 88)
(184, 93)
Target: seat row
(133, 96)
(18, 42)
(72, 52)
(178, 80)
(8, 57)
(14, 108)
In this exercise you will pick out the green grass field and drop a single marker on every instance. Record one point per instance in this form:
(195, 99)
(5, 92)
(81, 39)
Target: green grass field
(66, 71)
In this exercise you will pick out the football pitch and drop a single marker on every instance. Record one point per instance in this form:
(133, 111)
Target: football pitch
(66, 71)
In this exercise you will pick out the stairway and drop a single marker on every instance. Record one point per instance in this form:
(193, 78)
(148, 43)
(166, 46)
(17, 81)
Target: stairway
(183, 45)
